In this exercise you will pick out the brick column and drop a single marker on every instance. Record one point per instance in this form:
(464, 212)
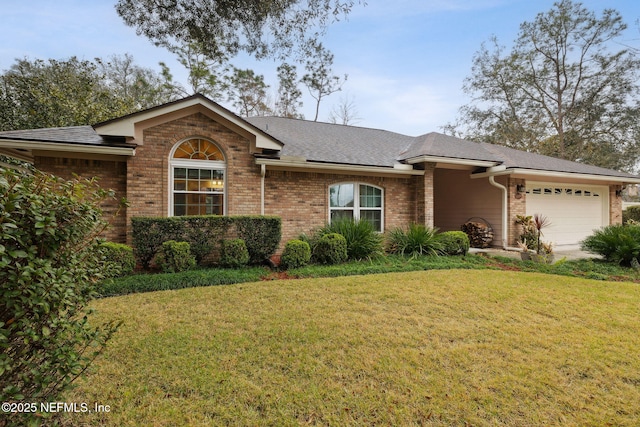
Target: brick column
(517, 206)
(615, 205)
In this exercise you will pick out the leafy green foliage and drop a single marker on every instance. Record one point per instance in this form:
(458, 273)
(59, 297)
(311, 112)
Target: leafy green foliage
(234, 253)
(118, 259)
(632, 213)
(296, 254)
(416, 240)
(174, 257)
(363, 241)
(454, 242)
(224, 29)
(186, 279)
(261, 234)
(330, 249)
(49, 267)
(72, 92)
(616, 243)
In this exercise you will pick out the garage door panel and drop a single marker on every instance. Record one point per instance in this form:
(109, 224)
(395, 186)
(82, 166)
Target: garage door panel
(573, 210)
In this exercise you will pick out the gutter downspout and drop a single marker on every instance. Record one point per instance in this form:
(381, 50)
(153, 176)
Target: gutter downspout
(505, 204)
(263, 173)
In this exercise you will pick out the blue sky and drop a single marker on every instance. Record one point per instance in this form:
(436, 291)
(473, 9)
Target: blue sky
(406, 59)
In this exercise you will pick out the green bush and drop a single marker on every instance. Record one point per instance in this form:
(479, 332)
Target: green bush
(616, 243)
(454, 242)
(261, 234)
(234, 253)
(632, 213)
(186, 279)
(118, 259)
(175, 256)
(417, 240)
(330, 249)
(363, 241)
(205, 234)
(296, 254)
(49, 265)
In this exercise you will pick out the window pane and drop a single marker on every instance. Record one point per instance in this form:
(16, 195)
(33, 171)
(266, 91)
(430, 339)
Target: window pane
(374, 217)
(180, 172)
(341, 214)
(370, 197)
(341, 195)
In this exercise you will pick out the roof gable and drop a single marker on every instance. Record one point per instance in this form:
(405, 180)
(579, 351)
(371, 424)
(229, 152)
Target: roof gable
(131, 126)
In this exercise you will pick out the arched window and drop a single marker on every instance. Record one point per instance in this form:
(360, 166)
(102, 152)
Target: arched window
(357, 201)
(197, 178)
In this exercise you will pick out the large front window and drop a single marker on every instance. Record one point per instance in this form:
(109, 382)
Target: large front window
(198, 179)
(356, 201)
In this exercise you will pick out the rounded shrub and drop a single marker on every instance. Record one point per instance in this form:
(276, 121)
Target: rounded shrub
(454, 242)
(296, 254)
(331, 249)
(234, 253)
(616, 243)
(363, 241)
(118, 259)
(174, 257)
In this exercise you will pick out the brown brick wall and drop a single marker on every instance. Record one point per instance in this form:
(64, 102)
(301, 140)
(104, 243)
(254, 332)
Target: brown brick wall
(517, 206)
(148, 170)
(422, 188)
(110, 174)
(615, 205)
(302, 199)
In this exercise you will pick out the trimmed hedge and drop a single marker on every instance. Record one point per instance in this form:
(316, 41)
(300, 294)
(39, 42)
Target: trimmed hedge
(117, 258)
(296, 254)
(331, 249)
(234, 253)
(454, 242)
(174, 257)
(205, 233)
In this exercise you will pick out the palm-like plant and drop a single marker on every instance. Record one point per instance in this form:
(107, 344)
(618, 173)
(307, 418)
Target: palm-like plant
(540, 222)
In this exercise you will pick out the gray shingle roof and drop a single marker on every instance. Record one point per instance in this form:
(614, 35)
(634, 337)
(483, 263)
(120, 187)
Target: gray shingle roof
(83, 135)
(324, 142)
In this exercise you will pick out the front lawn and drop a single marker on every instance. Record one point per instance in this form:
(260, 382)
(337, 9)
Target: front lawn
(441, 348)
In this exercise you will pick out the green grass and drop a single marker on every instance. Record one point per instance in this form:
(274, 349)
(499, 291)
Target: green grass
(438, 348)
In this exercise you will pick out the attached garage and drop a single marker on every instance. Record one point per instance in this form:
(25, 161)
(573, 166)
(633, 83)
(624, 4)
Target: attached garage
(573, 210)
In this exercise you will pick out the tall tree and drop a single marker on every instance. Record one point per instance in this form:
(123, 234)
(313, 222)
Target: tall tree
(565, 89)
(319, 78)
(345, 112)
(56, 93)
(247, 92)
(139, 87)
(289, 94)
(224, 28)
(205, 75)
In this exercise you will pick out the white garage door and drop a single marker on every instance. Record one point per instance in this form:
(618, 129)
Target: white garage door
(573, 210)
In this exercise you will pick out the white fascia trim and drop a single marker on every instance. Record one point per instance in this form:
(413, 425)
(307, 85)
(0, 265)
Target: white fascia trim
(560, 175)
(337, 167)
(453, 161)
(76, 148)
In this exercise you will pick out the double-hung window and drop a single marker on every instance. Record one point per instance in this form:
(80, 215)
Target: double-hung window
(357, 201)
(198, 182)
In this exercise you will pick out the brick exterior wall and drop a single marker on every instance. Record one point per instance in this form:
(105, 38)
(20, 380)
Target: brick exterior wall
(423, 200)
(110, 174)
(302, 199)
(517, 206)
(148, 171)
(615, 205)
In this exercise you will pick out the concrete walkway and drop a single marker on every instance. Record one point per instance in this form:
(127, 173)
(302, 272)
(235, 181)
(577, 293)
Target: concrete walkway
(570, 253)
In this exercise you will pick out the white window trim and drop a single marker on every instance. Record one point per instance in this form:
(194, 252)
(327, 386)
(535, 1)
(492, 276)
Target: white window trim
(195, 164)
(356, 201)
